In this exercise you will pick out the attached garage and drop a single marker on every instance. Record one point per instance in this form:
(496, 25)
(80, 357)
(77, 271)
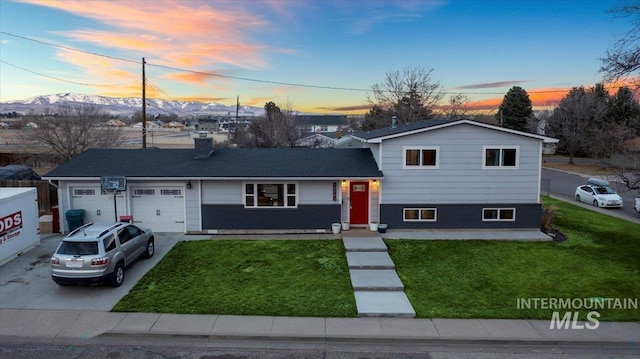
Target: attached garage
(97, 207)
(160, 208)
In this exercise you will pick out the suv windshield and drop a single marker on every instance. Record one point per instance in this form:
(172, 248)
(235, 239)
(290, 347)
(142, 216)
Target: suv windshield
(78, 248)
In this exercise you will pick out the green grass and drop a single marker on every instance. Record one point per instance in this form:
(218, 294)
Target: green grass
(281, 278)
(443, 279)
(483, 279)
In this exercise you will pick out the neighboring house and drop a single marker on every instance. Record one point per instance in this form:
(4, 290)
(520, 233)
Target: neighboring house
(116, 123)
(321, 124)
(209, 125)
(316, 140)
(549, 148)
(150, 124)
(424, 175)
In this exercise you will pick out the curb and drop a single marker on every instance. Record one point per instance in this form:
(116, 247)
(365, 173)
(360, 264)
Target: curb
(585, 343)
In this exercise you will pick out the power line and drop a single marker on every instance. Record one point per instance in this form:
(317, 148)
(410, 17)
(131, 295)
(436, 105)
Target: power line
(259, 81)
(63, 80)
(166, 94)
(68, 47)
(247, 78)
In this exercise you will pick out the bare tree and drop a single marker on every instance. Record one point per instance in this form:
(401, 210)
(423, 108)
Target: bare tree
(627, 165)
(68, 130)
(458, 106)
(409, 94)
(574, 119)
(276, 129)
(624, 58)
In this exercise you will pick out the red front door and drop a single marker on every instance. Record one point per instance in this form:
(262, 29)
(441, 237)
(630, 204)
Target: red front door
(359, 205)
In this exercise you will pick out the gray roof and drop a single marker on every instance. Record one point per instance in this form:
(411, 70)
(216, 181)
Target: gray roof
(225, 162)
(411, 126)
(427, 125)
(320, 120)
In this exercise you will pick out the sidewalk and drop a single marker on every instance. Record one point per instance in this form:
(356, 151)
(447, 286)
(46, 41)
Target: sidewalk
(54, 326)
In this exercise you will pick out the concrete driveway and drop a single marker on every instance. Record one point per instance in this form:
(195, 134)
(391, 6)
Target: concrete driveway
(25, 282)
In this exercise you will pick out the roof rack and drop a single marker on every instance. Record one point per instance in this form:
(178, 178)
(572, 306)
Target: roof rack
(110, 228)
(79, 228)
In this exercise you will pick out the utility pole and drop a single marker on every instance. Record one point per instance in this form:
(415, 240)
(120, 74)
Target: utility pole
(237, 109)
(144, 108)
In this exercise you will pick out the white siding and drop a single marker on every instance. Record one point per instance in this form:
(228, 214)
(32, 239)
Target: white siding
(460, 177)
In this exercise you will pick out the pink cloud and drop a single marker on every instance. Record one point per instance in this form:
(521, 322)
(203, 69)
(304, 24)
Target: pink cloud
(187, 34)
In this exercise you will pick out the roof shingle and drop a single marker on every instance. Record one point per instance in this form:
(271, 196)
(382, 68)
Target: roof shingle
(225, 162)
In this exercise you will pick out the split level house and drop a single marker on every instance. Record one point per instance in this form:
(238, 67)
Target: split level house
(432, 174)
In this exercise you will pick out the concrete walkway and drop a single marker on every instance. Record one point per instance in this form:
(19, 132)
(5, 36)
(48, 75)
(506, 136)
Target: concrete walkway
(70, 326)
(378, 290)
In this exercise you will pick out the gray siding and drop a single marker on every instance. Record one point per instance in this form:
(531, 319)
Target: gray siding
(317, 192)
(237, 217)
(192, 207)
(461, 216)
(221, 192)
(460, 177)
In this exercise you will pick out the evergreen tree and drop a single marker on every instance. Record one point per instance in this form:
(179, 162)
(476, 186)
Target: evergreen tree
(515, 109)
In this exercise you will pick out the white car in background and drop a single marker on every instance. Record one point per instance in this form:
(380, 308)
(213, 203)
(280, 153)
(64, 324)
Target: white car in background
(637, 206)
(598, 193)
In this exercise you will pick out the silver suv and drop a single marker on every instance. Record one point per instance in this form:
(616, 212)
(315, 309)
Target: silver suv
(98, 252)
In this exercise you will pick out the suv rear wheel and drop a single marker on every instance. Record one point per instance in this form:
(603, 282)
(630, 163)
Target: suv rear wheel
(118, 275)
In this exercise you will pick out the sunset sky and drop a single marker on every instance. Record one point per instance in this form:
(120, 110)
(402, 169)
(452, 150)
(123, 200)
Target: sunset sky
(214, 51)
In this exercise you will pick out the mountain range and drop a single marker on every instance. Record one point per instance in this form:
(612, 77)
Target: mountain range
(126, 107)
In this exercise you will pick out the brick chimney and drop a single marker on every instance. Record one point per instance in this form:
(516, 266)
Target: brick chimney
(203, 145)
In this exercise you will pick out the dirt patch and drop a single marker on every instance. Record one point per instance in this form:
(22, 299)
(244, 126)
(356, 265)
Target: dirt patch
(557, 236)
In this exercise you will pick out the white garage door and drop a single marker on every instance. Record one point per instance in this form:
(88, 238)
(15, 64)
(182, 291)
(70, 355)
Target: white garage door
(158, 208)
(97, 207)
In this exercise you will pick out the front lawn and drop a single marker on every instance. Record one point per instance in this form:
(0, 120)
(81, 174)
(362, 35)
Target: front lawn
(443, 279)
(281, 278)
(484, 279)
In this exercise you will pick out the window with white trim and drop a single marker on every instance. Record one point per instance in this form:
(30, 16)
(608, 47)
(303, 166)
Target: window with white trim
(420, 214)
(500, 157)
(498, 214)
(420, 157)
(270, 195)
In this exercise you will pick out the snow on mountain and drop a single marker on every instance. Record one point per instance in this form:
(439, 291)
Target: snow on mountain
(118, 106)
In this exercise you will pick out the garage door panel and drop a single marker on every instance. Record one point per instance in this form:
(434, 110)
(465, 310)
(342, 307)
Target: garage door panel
(159, 208)
(98, 207)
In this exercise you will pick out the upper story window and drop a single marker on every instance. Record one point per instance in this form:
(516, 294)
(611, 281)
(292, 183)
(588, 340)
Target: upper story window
(421, 157)
(500, 157)
(270, 195)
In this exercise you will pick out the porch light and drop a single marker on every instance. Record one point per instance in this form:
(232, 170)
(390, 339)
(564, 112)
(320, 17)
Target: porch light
(344, 183)
(188, 184)
(375, 182)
